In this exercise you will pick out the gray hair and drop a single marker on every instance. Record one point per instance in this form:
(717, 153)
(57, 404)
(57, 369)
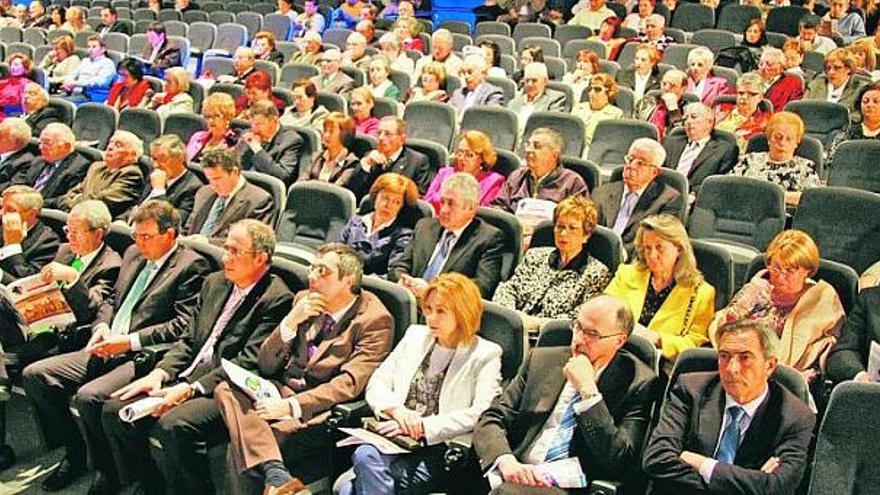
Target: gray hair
(465, 185)
(170, 144)
(553, 136)
(701, 109)
(651, 146)
(26, 196)
(773, 55)
(701, 53)
(658, 18)
(769, 339)
(350, 263)
(441, 35)
(132, 141)
(16, 129)
(682, 77)
(623, 316)
(262, 236)
(537, 70)
(245, 52)
(64, 133)
(477, 62)
(95, 212)
(44, 96)
(390, 39)
(752, 79)
(356, 37)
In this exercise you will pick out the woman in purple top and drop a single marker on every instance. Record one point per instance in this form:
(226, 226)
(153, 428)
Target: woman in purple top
(475, 156)
(362, 110)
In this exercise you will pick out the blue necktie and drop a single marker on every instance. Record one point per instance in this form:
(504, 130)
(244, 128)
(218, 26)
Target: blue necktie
(730, 438)
(564, 432)
(213, 217)
(436, 265)
(122, 320)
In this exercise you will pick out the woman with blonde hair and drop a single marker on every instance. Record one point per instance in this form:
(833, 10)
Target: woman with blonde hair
(219, 110)
(805, 314)
(361, 106)
(665, 290)
(432, 388)
(175, 98)
(476, 156)
(865, 53)
(61, 62)
(381, 235)
(837, 84)
(75, 20)
(433, 84)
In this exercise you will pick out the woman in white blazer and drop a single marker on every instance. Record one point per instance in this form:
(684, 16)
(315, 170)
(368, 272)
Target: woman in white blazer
(433, 388)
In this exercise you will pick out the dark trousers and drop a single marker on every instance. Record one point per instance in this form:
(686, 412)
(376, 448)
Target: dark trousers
(84, 382)
(185, 433)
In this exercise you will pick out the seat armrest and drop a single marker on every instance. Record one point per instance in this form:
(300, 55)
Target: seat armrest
(456, 456)
(604, 487)
(348, 413)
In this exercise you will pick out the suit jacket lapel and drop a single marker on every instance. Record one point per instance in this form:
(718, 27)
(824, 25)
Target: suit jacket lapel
(212, 312)
(712, 414)
(645, 201)
(201, 213)
(420, 262)
(704, 155)
(543, 398)
(461, 243)
(248, 302)
(614, 207)
(763, 427)
(235, 203)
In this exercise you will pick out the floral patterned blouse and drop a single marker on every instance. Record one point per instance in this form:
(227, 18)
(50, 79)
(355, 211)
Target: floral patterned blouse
(795, 175)
(424, 391)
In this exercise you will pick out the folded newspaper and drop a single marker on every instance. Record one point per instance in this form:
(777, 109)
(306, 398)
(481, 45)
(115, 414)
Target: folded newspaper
(138, 409)
(564, 473)
(255, 386)
(358, 436)
(41, 305)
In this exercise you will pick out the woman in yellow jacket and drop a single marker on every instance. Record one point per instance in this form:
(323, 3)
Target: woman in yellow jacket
(664, 288)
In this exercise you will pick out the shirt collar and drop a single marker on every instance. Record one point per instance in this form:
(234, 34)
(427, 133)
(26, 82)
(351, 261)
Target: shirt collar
(750, 407)
(337, 316)
(238, 185)
(89, 257)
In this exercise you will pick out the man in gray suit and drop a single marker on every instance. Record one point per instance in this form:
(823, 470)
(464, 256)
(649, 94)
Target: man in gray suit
(591, 401)
(331, 79)
(535, 96)
(623, 204)
(227, 198)
(476, 90)
(158, 288)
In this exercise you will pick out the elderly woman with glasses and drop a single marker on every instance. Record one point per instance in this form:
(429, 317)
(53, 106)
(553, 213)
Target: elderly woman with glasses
(745, 119)
(671, 300)
(805, 314)
(602, 90)
(218, 110)
(779, 165)
(837, 84)
(476, 156)
(868, 104)
(552, 282)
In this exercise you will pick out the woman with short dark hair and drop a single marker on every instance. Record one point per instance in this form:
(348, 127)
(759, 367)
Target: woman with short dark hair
(130, 88)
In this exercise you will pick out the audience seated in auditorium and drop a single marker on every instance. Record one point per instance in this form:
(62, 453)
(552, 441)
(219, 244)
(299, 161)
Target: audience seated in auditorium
(91, 80)
(808, 35)
(591, 401)
(608, 34)
(238, 309)
(805, 315)
(432, 388)
(61, 62)
(755, 38)
(60, 167)
(837, 84)
(243, 64)
(130, 90)
(654, 34)
(441, 51)
(527, 55)
(310, 21)
(736, 430)
(285, 8)
(665, 289)
(218, 110)
(257, 87)
(701, 82)
(175, 97)
(310, 51)
(868, 105)
(346, 14)
(264, 48)
(781, 87)
(406, 29)
(392, 155)
(841, 21)
(117, 180)
(780, 165)
(323, 352)
(455, 241)
(305, 112)
(227, 198)
(623, 204)
(586, 65)
(699, 152)
(601, 91)
(379, 81)
(110, 22)
(38, 16)
(474, 155)
(593, 15)
(170, 179)
(639, 17)
(336, 163)
(269, 148)
(643, 75)
(75, 20)
(745, 118)
(476, 91)
(28, 244)
(16, 153)
(492, 54)
(13, 84)
(391, 48)
(332, 79)
(552, 282)
(381, 235)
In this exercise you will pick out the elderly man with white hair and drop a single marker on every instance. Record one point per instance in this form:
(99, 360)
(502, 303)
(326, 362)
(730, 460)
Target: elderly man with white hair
(117, 180)
(476, 90)
(654, 33)
(36, 110)
(15, 134)
(781, 87)
(441, 51)
(392, 50)
(535, 97)
(664, 110)
(623, 204)
(355, 54)
(244, 62)
(701, 82)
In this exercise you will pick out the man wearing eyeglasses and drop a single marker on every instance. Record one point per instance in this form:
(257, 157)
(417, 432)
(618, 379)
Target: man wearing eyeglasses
(392, 155)
(590, 401)
(158, 288)
(624, 203)
(665, 110)
(238, 309)
(781, 87)
(332, 79)
(59, 168)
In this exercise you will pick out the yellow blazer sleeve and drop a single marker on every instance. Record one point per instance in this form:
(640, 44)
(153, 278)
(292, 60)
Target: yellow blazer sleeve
(630, 284)
(677, 334)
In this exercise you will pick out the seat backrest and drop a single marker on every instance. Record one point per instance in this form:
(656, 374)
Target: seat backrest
(272, 185)
(277, 24)
(192, 16)
(735, 17)
(230, 36)
(758, 216)
(567, 33)
(548, 46)
(400, 303)
(588, 170)
(456, 27)
(219, 17)
(336, 36)
(810, 148)
(604, 244)
(143, 123)
(855, 165)
(506, 162)
(251, 20)
(716, 264)
(119, 237)
(785, 19)
(524, 30)
(66, 108)
(506, 84)
(55, 220)
(693, 17)
(570, 127)
(505, 44)
(438, 155)
(822, 119)
(504, 327)
(612, 139)
(291, 73)
(211, 252)
(843, 278)
(512, 230)
(714, 39)
(499, 123)
(295, 275)
(95, 122)
(492, 27)
(572, 47)
(430, 121)
(557, 68)
(184, 125)
(173, 28)
(201, 35)
(218, 66)
(846, 448)
(316, 212)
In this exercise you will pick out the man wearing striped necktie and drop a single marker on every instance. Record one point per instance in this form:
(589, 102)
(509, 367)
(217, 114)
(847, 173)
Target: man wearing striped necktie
(590, 401)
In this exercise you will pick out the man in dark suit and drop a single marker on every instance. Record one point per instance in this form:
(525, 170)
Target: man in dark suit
(243, 65)
(269, 148)
(455, 241)
(110, 23)
(334, 312)
(58, 169)
(591, 401)
(28, 244)
(849, 357)
(160, 53)
(734, 431)
(699, 153)
(170, 179)
(238, 309)
(623, 204)
(391, 155)
(158, 288)
(36, 110)
(476, 90)
(15, 152)
(227, 198)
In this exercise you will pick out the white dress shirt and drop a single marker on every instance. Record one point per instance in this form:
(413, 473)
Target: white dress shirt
(749, 408)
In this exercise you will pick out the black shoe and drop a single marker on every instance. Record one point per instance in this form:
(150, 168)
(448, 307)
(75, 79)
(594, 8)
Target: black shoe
(62, 476)
(103, 485)
(7, 457)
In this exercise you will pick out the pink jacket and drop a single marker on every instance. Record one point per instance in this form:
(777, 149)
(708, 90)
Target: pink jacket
(715, 86)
